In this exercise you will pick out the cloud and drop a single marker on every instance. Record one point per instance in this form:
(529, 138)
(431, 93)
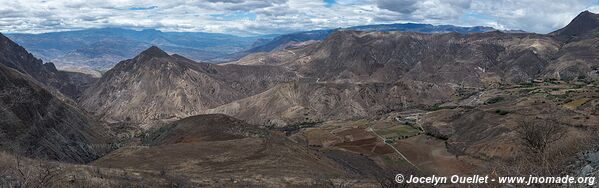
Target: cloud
(251, 17)
(531, 15)
(402, 6)
(142, 8)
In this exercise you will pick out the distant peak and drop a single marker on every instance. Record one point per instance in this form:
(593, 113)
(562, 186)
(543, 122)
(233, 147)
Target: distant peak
(585, 24)
(151, 31)
(154, 52)
(586, 14)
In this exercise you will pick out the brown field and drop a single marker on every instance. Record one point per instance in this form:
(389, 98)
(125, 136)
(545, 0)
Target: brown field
(430, 154)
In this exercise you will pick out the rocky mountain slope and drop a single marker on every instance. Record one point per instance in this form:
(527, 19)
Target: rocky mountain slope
(468, 60)
(585, 25)
(281, 43)
(39, 124)
(475, 60)
(283, 40)
(16, 57)
(155, 85)
(577, 59)
(309, 102)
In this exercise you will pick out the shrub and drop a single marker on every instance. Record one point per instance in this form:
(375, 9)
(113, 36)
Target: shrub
(494, 100)
(502, 112)
(389, 141)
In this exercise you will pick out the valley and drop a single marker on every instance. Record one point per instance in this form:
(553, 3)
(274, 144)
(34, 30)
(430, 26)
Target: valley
(346, 107)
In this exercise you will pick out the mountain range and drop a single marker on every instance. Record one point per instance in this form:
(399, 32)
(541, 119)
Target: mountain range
(317, 108)
(99, 49)
(93, 50)
(164, 86)
(37, 119)
(350, 74)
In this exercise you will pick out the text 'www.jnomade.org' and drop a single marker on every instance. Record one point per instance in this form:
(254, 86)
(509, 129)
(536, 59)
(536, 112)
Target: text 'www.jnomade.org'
(478, 179)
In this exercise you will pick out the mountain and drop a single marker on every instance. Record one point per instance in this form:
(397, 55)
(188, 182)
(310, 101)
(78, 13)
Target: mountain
(280, 41)
(473, 60)
(577, 58)
(277, 42)
(37, 123)
(422, 28)
(291, 52)
(37, 120)
(585, 25)
(100, 49)
(310, 102)
(68, 83)
(348, 64)
(97, 50)
(352, 70)
(468, 60)
(155, 85)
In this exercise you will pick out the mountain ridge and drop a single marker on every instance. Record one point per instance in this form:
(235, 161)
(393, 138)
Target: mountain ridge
(354, 60)
(585, 25)
(100, 49)
(172, 87)
(68, 83)
(281, 41)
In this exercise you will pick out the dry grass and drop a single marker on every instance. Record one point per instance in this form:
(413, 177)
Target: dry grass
(18, 171)
(576, 103)
(399, 132)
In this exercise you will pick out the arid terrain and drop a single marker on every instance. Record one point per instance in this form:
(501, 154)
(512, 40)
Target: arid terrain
(335, 108)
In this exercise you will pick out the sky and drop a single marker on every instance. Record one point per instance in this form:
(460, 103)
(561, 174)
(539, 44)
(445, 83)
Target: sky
(257, 17)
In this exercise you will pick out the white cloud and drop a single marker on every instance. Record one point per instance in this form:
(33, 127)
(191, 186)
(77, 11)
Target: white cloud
(531, 15)
(278, 16)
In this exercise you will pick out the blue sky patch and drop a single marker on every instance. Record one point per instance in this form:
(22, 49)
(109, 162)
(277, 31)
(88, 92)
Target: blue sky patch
(329, 3)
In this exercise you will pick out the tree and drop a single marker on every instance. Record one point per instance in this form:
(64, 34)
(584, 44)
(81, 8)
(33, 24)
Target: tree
(537, 136)
(30, 173)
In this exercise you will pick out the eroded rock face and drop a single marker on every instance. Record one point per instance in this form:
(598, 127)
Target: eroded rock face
(36, 120)
(472, 60)
(305, 102)
(438, 58)
(155, 85)
(39, 124)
